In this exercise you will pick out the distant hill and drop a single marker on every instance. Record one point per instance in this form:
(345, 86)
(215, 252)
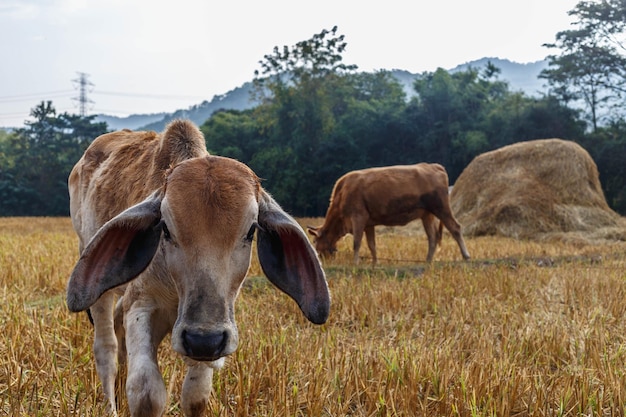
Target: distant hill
(521, 77)
(131, 122)
(237, 99)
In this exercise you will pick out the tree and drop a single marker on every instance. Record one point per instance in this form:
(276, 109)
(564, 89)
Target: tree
(456, 116)
(371, 123)
(590, 68)
(37, 159)
(450, 112)
(232, 133)
(315, 58)
(297, 87)
(607, 147)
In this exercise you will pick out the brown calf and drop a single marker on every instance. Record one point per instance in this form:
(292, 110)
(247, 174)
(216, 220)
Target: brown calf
(169, 228)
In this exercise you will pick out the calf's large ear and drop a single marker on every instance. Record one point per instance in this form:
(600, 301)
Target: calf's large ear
(120, 250)
(290, 262)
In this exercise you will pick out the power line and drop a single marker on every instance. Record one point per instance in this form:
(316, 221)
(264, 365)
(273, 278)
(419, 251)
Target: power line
(67, 93)
(85, 87)
(151, 96)
(11, 115)
(28, 97)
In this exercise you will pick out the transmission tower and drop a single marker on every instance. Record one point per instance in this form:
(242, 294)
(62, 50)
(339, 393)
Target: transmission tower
(83, 84)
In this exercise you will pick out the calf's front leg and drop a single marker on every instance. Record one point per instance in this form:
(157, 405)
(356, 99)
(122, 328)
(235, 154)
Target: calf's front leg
(105, 347)
(197, 387)
(145, 389)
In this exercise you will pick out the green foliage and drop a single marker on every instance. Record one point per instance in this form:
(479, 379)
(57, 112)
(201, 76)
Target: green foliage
(319, 119)
(318, 57)
(591, 67)
(35, 162)
(448, 106)
(607, 146)
(232, 133)
(456, 117)
(303, 90)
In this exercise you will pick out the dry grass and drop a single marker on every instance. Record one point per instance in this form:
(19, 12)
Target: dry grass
(525, 328)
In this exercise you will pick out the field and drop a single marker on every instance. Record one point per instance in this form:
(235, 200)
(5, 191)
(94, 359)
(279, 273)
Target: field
(523, 329)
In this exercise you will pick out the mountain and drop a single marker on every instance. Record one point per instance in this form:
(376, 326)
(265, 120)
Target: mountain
(521, 77)
(131, 122)
(237, 99)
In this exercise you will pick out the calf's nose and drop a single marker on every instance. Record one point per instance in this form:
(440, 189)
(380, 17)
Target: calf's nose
(207, 346)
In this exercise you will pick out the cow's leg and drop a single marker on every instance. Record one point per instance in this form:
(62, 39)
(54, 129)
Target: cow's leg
(197, 388)
(105, 346)
(370, 235)
(357, 233)
(455, 230)
(145, 390)
(430, 227)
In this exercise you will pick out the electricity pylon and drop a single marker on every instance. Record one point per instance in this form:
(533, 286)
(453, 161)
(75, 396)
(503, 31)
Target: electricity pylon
(83, 85)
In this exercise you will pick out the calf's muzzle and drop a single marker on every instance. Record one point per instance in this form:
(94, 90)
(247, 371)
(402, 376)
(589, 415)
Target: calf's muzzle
(206, 346)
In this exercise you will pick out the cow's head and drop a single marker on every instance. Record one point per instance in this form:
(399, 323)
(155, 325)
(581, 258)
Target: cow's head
(199, 231)
(325, 246)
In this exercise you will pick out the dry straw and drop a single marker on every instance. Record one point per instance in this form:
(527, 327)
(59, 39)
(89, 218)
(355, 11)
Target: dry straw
(527, 328)
(540, 189)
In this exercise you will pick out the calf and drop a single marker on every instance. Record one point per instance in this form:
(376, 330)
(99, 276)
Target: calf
(169, 228)
(390, 196)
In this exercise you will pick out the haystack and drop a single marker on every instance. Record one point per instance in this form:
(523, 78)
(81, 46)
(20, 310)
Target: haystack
(531, 190)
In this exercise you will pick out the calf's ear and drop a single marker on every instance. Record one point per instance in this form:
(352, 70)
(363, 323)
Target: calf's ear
(290, 262)
(119, 251)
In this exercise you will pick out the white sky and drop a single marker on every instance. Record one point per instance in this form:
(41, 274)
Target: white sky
(148, 56)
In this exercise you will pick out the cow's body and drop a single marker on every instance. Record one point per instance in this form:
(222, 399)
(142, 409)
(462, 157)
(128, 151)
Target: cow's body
(169, 228)
(390, 196)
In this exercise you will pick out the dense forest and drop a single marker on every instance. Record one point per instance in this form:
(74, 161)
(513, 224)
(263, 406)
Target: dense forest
(318, 118)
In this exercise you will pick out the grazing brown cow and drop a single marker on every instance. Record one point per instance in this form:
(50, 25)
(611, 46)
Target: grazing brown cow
(169, 228)
(390, 196)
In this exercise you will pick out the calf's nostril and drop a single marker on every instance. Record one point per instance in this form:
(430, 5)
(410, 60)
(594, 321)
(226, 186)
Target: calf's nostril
(206, 346)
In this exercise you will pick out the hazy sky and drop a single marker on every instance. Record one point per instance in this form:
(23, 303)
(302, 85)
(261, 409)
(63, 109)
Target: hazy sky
(148, 56)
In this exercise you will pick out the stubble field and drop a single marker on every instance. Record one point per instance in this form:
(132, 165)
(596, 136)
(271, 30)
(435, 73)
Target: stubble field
(523, 329)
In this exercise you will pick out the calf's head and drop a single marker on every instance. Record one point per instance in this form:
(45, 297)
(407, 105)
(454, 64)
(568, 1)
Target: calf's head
(197, 233)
